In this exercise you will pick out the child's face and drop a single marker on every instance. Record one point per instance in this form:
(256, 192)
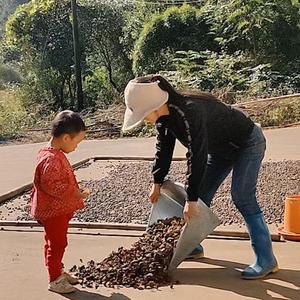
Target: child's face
(69, 142)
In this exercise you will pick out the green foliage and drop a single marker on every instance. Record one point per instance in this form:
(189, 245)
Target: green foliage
(43, 28)
(279, 83)
(13, 115)
(7, 7)
(98, 91)
(8, 75)
(178, 28)
(42, 31)
(230, 76)
(284, 115)
(268, 30)
(287, 113)
(216, 72)
(138, 14)
(234, 48)
(103, 25)
(41, 88)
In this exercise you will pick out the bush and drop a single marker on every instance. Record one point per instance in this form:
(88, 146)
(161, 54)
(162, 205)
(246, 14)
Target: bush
(281, 83)
(8, 75)
(97, 89)
(38, 89)
(13, 116)
(287, 113)
(229, 76)
(221, 73)
(177, 28)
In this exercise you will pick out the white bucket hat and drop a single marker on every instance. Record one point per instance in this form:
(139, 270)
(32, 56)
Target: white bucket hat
(141, 99)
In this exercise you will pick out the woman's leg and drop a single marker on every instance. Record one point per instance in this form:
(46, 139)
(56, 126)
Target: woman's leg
(244, 179)
(245, 173)
(217, 170)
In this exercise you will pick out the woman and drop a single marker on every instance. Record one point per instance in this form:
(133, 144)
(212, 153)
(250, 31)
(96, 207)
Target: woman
(218, 139)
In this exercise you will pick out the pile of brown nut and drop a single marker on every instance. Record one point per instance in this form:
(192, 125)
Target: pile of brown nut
(143, 266)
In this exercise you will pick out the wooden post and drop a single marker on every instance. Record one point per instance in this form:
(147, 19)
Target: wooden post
(79, 90)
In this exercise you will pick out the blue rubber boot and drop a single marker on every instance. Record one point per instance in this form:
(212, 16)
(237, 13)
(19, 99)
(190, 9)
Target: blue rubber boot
(266, 262)
(197, 253)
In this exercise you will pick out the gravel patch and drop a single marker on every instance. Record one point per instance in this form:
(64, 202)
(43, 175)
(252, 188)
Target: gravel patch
(120, 194)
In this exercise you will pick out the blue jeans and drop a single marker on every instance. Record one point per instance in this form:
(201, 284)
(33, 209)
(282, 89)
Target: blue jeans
(245, 164)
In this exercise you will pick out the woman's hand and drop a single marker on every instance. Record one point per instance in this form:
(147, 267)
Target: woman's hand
(191, 209)
(154, 193)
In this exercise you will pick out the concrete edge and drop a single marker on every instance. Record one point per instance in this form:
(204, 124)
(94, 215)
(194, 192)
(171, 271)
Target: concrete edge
(16, 192)
(135, 158)
(222, 231)
(28, 186)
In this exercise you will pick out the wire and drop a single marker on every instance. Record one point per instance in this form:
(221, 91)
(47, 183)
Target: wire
(168, 2)
(179, 2)
(161, 2)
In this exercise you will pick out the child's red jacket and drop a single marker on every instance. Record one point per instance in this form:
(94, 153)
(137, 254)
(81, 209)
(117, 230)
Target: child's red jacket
(55, 189)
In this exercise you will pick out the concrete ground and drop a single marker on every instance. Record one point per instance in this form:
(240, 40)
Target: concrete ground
(23, 276)
(17, 162)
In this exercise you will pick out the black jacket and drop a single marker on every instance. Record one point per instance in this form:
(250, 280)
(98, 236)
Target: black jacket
(203, 126)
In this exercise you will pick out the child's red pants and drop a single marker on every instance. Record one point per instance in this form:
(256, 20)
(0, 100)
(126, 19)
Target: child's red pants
(56, 229)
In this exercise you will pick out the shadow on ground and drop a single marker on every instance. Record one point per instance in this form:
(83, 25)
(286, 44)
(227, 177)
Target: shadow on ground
(222, 275)
(285, 283)
(88, 295)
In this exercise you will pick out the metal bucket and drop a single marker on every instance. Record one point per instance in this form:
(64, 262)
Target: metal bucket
(170, 204)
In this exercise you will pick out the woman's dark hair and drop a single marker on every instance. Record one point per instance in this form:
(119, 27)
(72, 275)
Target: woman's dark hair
(67, 122)
(174, 96)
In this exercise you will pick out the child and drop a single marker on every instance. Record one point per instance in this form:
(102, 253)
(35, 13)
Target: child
(56, 195)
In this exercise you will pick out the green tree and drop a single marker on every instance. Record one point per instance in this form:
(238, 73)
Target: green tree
(103, 24)
(7, 7)
(135, 18)
(268, 30)
(43, 31)
(177, 28)
(139, 13)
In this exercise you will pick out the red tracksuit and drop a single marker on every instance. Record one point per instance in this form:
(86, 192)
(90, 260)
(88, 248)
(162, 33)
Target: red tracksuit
(53, 202)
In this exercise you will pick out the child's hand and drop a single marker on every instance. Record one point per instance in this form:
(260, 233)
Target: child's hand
(85, 193)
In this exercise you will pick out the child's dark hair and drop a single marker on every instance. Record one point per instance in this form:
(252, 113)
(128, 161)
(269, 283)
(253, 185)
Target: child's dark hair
(67, 122)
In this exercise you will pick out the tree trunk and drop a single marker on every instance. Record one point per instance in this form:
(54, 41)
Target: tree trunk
(61, 92)
(72, 96)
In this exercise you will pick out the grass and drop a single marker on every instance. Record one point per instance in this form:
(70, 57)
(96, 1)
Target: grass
(13, 116)
(15, 120)
(276, 113)
(286, 114)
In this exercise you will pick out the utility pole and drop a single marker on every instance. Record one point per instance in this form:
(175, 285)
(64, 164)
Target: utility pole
(77, 56)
